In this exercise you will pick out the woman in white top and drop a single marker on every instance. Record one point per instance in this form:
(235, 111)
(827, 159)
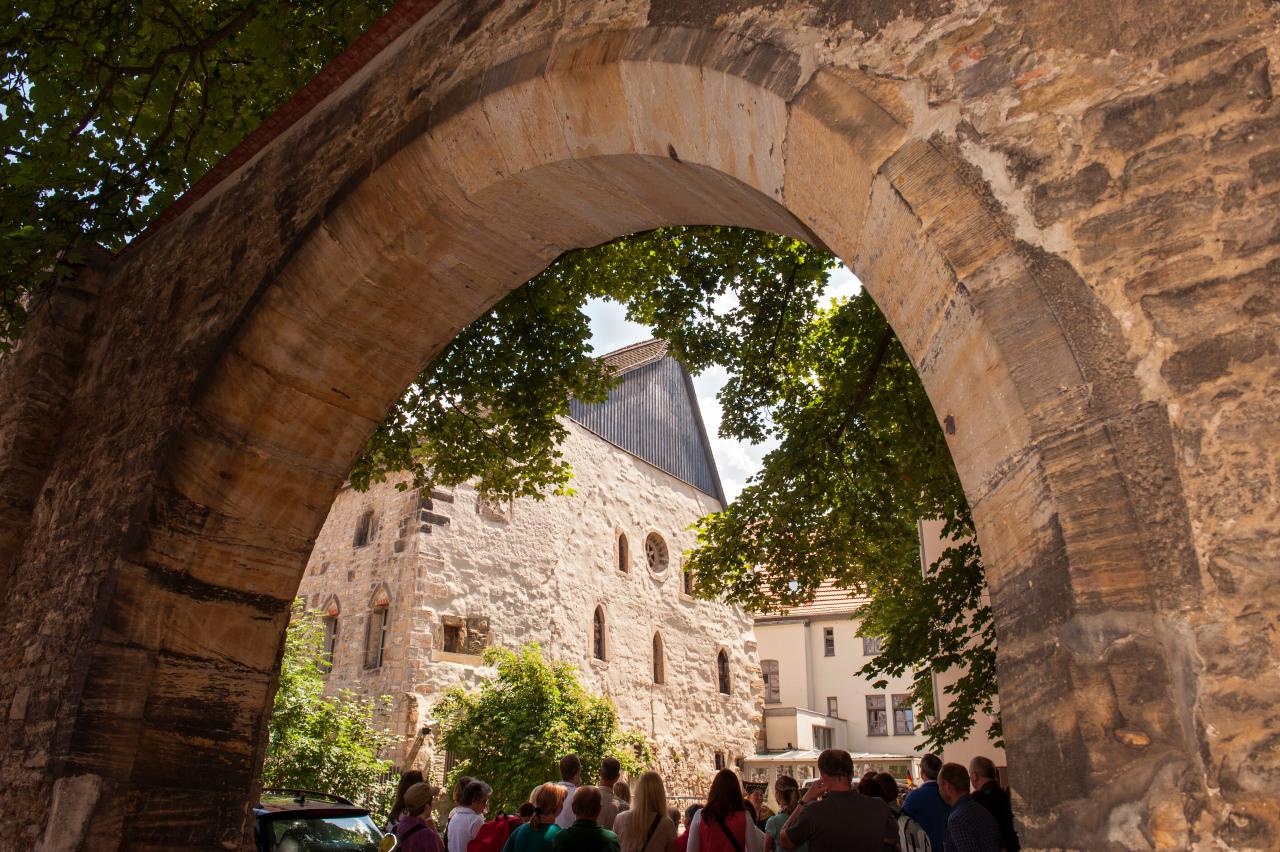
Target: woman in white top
(468, 816)
(645, 826)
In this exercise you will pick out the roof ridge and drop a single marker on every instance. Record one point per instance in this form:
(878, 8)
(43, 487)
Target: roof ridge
(636, 355)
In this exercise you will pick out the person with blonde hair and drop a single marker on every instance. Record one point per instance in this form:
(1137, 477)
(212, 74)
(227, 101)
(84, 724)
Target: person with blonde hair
(536, 835)
(787, 791)
(645, 826)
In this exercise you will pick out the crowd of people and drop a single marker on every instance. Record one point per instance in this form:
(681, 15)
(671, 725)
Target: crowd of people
(954, 810)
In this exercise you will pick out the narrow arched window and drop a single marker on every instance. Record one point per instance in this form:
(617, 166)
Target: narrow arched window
(598, 648)
(624, 555)
(330, 624)
(722, 671)
(659, 664)
(375, 637)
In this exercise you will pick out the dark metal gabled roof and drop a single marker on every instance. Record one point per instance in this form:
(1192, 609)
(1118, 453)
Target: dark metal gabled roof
(653, 414)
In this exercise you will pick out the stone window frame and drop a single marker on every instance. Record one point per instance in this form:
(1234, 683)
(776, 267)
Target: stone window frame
(366, 529)
(621, 550)
(667, 560)
(457, 623)
(598, 639)
(833, 706)
(379, 609)
(723, 672)
(686, 583)
(332, 610)
(772, 681)
(659, 659)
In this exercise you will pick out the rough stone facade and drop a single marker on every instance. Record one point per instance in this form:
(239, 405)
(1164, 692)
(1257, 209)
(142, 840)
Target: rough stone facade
(1068, 213)
(536, 572)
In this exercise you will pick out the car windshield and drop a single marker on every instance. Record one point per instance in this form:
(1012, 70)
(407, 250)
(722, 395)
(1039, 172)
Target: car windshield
(324, 834)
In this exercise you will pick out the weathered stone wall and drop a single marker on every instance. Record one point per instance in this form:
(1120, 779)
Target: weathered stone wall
(1067, 212)
(535, 572)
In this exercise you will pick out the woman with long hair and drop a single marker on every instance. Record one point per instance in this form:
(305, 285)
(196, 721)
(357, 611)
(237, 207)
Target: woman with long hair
(645, 826)
(722, 825)
(407, 780)
(536, 835)
(787, 791)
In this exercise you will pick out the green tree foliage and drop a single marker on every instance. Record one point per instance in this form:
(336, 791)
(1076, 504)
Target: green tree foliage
(513, 730)
(112, 109)
(327, 743)
(860, 459)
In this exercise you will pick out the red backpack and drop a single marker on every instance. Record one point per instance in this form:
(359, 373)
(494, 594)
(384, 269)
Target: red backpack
(493, 835)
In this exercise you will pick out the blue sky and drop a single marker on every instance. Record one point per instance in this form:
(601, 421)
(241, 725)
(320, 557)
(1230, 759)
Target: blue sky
(736, 460)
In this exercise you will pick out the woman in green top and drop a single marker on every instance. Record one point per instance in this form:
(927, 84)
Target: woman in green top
(787, 791)
(536, 835)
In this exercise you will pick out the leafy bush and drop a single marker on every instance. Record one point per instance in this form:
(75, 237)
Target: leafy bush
(513, 730)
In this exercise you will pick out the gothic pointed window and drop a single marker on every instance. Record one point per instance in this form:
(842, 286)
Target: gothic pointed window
(598, 649)
(329, 622)
(375, 637)
(722, 672)
(659, 663)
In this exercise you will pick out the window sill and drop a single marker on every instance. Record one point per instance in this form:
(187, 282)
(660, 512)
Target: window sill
(598, 663)
(455, 657)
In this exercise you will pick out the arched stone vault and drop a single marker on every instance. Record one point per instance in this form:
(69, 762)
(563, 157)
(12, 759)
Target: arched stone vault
(242, 354)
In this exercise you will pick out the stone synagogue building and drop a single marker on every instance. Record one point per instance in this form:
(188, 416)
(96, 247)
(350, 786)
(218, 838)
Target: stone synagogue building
(414, 586)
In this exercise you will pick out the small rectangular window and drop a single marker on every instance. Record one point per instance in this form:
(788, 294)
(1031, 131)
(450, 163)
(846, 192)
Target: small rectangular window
(366, 528)
(452, 638)
(903, 716)
(719, 760)
(772, 687)
(828, 641)
(833, 706)
(821, 737)
(871, 645)
(375, 638)
(877, 718)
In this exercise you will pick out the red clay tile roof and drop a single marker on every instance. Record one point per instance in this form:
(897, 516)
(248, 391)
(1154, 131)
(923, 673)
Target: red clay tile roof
(636, 355)
(828, 600)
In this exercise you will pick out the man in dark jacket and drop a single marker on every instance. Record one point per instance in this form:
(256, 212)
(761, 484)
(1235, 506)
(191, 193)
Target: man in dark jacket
(988, 793)
(925, 805)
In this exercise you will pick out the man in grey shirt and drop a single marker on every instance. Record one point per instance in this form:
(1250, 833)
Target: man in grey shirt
(834, 817)
(610, 805)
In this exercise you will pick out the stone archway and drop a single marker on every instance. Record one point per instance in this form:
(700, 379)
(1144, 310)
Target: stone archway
(242, 353)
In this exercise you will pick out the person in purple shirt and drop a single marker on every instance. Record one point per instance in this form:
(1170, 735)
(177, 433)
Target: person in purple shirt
(413, 833)
(924, 804)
